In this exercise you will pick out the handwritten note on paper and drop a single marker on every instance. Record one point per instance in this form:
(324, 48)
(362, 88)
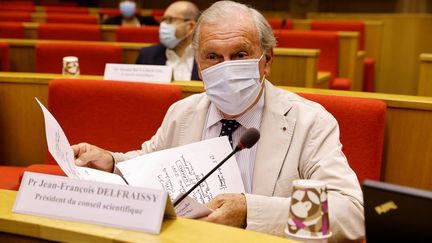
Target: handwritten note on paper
(60, 149)
(177, 169)
(190, 208)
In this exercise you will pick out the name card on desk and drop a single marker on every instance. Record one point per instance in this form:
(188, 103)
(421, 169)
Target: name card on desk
(120, 206)
(138, 73)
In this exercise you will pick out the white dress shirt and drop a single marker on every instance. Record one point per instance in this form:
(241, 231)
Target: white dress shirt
(245, 158)
(182, 66)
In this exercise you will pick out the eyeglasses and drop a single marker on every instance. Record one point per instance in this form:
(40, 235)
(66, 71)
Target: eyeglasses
(170, 19)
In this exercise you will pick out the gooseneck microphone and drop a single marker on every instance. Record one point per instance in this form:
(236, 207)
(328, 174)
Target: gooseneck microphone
(247, 140)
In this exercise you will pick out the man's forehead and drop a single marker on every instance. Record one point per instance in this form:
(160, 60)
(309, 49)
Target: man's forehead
(174, 9)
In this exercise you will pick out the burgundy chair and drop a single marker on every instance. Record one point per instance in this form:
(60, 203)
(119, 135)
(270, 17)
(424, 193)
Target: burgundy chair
(356, 26)
(280, 23)
(117, 116)
(17, 6)
(92, 57)
(328, 44)
(361, 123)
(9, 16)
(146, 34)
(14, 30)
(71, 18)
(66, 9)
(4, 57)
(84, 32)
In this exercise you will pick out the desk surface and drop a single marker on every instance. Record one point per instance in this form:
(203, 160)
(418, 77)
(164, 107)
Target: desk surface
(177, 230)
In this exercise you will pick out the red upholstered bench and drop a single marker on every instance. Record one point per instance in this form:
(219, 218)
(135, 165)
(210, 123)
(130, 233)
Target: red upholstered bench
(14, 30)
(15, 16)
(356, 26)
(146, 34)
(361, 124)
(62, 31)
(328, 44)
(92, 56)
(71, 18)
(117, 116)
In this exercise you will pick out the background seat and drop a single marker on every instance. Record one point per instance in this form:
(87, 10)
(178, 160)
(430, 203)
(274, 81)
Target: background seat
(71, 18)
(66, 9)
(10, 16)
(328, 44)
(356, 26)
(62, 31)
(146, 34)
(361, 123)
(92, 57)
(14, 30)
(280, 23)
(117, 116)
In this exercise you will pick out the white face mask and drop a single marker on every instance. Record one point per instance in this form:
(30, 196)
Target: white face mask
(233, 85)
(167, 35)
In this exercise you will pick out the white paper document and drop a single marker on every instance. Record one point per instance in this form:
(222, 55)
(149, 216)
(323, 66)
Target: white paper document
(60, 149)
(174, 170)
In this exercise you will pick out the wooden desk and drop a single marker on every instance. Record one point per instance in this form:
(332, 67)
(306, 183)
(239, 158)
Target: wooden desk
(406, 161)
(18, 226)
(293, 67)
(425, 75)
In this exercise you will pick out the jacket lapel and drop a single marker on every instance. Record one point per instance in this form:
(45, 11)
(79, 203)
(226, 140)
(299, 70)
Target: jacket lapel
(192, 125)
(276, 133)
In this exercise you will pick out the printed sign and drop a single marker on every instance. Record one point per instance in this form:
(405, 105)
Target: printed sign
(138, 73)
(120, 206)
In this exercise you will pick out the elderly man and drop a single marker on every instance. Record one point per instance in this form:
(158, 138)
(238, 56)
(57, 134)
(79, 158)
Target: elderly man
(299, 139)
(175, 35)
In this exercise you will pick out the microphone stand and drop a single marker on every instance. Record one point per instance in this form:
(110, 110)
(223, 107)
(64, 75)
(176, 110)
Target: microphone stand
(183, 196)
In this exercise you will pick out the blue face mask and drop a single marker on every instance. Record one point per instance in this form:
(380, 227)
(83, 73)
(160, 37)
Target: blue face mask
(167, 35)
(127, 9)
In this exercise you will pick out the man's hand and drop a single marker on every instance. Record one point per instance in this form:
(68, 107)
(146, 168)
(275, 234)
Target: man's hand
(229, 209)
(91, 156)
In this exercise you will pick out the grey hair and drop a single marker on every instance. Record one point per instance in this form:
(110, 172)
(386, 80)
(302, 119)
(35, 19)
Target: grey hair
(222, 9)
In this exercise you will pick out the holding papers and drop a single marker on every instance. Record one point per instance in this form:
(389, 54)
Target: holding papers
(174, 170)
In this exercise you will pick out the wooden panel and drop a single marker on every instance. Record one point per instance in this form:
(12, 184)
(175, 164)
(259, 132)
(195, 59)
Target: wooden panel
(425, 76)
(404, 38)
(407, 153)
(296, 67)
(350, 63)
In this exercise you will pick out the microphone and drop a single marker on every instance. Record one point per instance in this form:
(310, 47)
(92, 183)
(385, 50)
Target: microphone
(247, 140)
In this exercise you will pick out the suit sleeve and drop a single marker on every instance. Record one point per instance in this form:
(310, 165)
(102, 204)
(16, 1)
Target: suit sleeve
(322, 159)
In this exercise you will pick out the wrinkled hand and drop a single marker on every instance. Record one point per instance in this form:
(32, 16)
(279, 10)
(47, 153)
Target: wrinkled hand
(94, 157)
(229, 209)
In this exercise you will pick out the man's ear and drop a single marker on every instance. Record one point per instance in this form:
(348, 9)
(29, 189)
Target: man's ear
(269, 60)
(191, 25)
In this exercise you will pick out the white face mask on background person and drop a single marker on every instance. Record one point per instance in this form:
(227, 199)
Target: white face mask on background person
(233, 86)
(127, 9)
(167, 35)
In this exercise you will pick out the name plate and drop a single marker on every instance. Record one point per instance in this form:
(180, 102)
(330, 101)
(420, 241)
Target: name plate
(93, 202)
(138, 73)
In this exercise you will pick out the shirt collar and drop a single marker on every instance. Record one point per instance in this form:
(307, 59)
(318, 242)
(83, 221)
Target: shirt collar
(172, 55)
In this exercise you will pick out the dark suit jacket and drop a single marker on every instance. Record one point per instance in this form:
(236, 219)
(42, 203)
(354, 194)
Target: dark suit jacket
(155, 55)
(144, 20)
